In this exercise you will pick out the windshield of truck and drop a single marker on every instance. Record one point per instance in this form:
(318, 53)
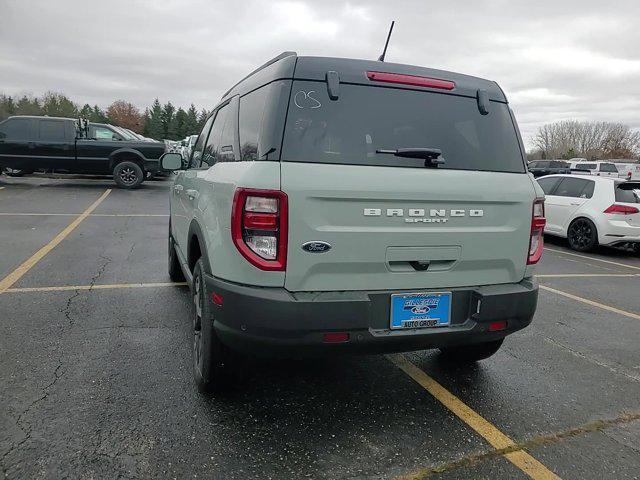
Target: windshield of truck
(366, 119)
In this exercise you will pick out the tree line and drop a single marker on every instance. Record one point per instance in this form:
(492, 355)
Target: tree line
(591, 140)
(156, 121)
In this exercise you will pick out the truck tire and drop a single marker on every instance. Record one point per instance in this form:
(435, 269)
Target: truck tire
(128, 175)
(216, 368)
(470, 353)
(175, 271)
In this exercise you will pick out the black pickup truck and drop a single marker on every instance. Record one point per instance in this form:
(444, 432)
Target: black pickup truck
(66, 145)
(540, 168)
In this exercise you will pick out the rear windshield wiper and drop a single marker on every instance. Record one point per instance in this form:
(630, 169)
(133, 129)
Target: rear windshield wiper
(432, 156)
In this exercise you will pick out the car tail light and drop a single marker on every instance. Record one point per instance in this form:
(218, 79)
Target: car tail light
(621, 209)
(411, 80)
(536, 240)
(335, 337)
(259, 227)
(498, 326)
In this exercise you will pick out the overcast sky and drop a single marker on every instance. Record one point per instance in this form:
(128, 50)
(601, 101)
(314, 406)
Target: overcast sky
(555, 59)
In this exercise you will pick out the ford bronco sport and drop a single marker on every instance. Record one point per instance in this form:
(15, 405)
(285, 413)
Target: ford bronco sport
(347, 205)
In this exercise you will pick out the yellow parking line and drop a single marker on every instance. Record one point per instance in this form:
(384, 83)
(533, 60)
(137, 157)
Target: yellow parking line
(14, 276)
(572, 275)
(65, 288)
(521, 459)
(592, 258)
(592, 303)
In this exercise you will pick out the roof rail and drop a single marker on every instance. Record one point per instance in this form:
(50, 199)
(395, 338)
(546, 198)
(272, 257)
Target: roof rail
(273, 60)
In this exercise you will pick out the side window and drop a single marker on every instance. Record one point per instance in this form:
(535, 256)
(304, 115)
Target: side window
(251, 113)
(213, 146)
(15, 129)
(548, 184)
(588, 189)
(51, 131)
(571, 187)
(608, 167)
(198, 148)
(101, 133)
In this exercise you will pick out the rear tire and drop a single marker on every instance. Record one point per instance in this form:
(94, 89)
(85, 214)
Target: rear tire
(470, 353)
(216, 368)
(175, 270)
(128, 175)
(582, 235)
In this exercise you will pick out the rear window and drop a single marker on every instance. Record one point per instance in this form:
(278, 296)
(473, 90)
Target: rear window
(585, 166)
(539, 164)
(608, 167)
(365, 119)
(628, 193)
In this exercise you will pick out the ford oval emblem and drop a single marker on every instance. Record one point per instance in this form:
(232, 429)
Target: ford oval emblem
(316, 247)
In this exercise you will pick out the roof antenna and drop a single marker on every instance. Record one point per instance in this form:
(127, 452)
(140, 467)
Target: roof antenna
(384, 52)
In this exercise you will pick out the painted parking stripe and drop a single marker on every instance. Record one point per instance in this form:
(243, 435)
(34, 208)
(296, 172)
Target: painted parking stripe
(14, 276)
(521, 459)
(587, 275)
(592, 258)
(591, 302)
(1, 188)
(12, 214)
(66, 288)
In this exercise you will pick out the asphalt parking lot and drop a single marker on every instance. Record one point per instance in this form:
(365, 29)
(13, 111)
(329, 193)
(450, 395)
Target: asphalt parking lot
(95, 363)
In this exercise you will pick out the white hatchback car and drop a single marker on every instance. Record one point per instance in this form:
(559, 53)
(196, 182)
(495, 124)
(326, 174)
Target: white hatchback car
(588, 211)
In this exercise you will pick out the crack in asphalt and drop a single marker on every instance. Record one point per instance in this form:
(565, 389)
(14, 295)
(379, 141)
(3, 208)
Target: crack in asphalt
(542, 440)
(595, 361)
(21, 422)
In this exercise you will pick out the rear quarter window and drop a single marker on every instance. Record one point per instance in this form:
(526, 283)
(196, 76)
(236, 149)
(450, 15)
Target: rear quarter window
(365, 119)
(15, 129)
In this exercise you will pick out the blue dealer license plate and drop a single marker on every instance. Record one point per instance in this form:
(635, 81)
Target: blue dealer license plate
(420, 310)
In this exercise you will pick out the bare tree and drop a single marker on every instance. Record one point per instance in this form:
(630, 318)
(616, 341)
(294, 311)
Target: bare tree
(592, 140)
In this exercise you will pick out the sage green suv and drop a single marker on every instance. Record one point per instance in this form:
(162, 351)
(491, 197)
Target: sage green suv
(335, 205)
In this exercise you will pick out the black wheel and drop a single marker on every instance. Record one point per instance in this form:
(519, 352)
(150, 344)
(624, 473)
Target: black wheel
(582, 235)
(216, 368)
(636, 248)
(128, 175)
(175, 271)
(470, 353)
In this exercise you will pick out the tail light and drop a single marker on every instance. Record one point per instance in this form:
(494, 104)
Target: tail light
(536, 241)
(621, 209)
(411, 80)
(259, 227)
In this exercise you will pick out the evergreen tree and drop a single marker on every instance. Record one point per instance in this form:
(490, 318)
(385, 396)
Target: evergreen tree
(58, 105)
(98, 115)
(191, 122)
(178, 123)
(202, 119)
(154, 127)
(28, 106)
(7, 107)
(86, 111)
(168, 125)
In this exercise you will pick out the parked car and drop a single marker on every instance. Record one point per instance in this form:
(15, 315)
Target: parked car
(628, 171)
(540, 168)
(187, 145)
(30, 143)
(597, 168)
(326, 207)
(591, 211)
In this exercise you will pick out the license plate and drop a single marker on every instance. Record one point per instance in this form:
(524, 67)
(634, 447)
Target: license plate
(420, 310)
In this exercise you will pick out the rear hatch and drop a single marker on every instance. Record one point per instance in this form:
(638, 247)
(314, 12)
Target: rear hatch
(395, 222)
(627, 195)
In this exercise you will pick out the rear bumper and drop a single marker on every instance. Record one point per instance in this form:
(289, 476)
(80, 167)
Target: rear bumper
(618, 231)
(274, 321)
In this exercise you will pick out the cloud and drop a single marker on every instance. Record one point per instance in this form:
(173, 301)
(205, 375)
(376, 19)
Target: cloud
(554, 59)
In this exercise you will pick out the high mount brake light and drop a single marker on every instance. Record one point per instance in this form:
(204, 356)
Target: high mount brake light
(621, 209)
(259, 222)
(536, 239)
(414, 80)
